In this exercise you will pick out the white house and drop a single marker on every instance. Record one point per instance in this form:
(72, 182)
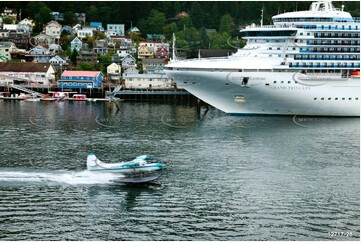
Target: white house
(76, 44)
(148, 81)
(131, 70)
(59, 63)
(53, 29)
(128, 61)
(5, 50)
(10, 27)
(114, 71)
(83, 33)
(4, 33)
(118, 29)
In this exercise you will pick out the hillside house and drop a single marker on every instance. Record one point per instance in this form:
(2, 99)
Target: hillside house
(43, 40)
(39, 54)
(21, 40)
(4, 34)
(53, 29)
(85, 32)
(117, 29)
(114, 71)
(146, 50)
(127, 61)
(11, 13)
(77, 44)
(59, 63)
(153, 65)
(5, 50)
(101, 47)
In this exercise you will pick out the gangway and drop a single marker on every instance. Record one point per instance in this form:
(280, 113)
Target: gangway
(116, 89)
(24, 89)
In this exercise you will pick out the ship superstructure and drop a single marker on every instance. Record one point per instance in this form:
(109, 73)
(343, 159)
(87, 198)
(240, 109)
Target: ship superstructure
(306, 63)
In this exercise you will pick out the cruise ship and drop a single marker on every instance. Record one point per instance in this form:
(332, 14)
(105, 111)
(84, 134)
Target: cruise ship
(306, 63)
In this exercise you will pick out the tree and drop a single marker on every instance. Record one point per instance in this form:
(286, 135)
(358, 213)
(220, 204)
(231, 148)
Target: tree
(7, 20)
(226, 24)
(155, 22)
(69, 17)
(73, 56)
(92, 13)
(169, 29)
(199, 15)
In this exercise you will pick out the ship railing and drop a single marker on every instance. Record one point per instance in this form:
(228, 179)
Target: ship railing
(269, 26)
(204, 58)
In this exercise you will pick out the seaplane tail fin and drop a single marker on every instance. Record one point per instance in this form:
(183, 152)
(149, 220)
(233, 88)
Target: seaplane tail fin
(92, 161)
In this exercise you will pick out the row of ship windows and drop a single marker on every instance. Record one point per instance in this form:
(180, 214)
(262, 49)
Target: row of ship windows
(325, 64)
(336, 98)
(333, 42)
(337, 35)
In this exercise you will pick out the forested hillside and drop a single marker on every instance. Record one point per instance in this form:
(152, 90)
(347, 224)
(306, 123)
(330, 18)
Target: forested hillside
(202, 13)
(159, 17)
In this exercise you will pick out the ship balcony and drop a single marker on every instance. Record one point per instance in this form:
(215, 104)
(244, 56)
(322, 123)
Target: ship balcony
(330, 58)
(312, 43)
(324, 65)
(356, 51)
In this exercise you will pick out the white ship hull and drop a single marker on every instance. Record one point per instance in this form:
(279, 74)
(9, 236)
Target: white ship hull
(306, 63)
(280, 93)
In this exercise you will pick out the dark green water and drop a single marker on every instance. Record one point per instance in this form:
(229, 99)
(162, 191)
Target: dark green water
(227, 177)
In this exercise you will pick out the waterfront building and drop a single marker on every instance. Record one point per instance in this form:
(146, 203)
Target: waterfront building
(148, 81)
(80, 79)
(26, 73)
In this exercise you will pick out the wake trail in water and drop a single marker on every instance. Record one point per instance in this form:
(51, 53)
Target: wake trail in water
(56, 177)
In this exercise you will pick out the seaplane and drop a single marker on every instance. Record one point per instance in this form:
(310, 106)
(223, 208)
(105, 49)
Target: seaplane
(137, 166)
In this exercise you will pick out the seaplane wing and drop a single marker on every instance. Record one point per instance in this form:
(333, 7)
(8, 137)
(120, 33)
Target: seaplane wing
(142, 157)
